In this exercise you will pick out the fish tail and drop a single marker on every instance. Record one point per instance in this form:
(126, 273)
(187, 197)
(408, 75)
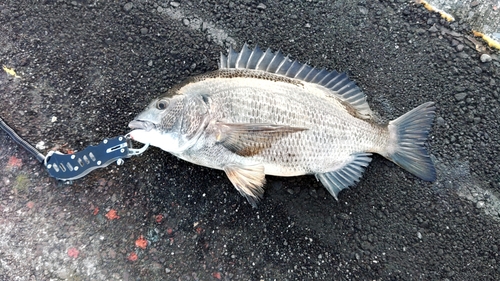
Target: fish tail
(407, 136)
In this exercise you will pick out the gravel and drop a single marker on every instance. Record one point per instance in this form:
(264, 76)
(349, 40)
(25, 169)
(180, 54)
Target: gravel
(93, 65)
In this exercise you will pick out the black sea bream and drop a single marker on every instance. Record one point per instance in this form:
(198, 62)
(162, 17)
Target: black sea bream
(263, 114)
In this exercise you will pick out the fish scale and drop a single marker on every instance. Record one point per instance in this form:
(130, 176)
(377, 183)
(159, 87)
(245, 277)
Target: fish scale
(262, 113)
(321, 138)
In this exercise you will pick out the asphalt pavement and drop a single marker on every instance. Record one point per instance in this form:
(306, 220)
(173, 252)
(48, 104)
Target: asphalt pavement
(76, 72)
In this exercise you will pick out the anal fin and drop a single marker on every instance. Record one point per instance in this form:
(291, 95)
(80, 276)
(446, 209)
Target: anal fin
(345, 176)
(248, 180)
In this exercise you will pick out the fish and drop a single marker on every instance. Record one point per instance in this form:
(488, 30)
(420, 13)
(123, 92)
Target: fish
(260, 113)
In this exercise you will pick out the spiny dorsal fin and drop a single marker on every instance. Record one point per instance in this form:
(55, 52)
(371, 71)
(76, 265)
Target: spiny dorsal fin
(340, 85)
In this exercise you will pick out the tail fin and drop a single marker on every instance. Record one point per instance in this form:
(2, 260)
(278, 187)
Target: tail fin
(408, 134)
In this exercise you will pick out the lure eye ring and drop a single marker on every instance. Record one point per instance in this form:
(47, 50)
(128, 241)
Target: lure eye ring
(162, 104)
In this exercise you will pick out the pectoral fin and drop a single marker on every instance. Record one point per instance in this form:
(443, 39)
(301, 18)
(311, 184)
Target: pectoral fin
(248, 180)
(247, 139)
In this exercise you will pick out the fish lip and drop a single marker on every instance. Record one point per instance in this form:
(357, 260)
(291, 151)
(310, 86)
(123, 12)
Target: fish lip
(141, 125)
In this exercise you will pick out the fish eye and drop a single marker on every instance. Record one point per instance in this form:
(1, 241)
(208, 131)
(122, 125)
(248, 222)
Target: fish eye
(162, 104)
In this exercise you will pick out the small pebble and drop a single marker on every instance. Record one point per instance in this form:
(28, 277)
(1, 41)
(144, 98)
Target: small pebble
(460, 47)
(420, 31)
(440, 121)
(41, 145)
(485, 58)
(127, 7)
(474, 4)
(433, 29)
(460, 96)
(185, 22)
(175, 4)
(261, 6)
(101, 181)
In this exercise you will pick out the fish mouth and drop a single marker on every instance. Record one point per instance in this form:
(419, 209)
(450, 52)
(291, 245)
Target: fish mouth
(141, 125)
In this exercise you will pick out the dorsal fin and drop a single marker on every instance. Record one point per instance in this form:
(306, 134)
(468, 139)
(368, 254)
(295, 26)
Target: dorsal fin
(338, 83)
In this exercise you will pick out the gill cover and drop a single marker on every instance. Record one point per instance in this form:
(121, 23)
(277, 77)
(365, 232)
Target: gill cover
(172, 124)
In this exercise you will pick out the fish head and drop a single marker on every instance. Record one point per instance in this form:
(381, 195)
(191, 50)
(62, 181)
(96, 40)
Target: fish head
(170, 123)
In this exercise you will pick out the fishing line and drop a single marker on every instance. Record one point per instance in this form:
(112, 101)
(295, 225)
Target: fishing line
(40, 157)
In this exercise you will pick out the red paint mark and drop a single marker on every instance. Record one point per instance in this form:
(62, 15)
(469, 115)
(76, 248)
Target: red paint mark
(112, 215)
(73, 252)
(14, 162)
(141, 242)
(199, 230)
(159, 218)
(132, 256)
